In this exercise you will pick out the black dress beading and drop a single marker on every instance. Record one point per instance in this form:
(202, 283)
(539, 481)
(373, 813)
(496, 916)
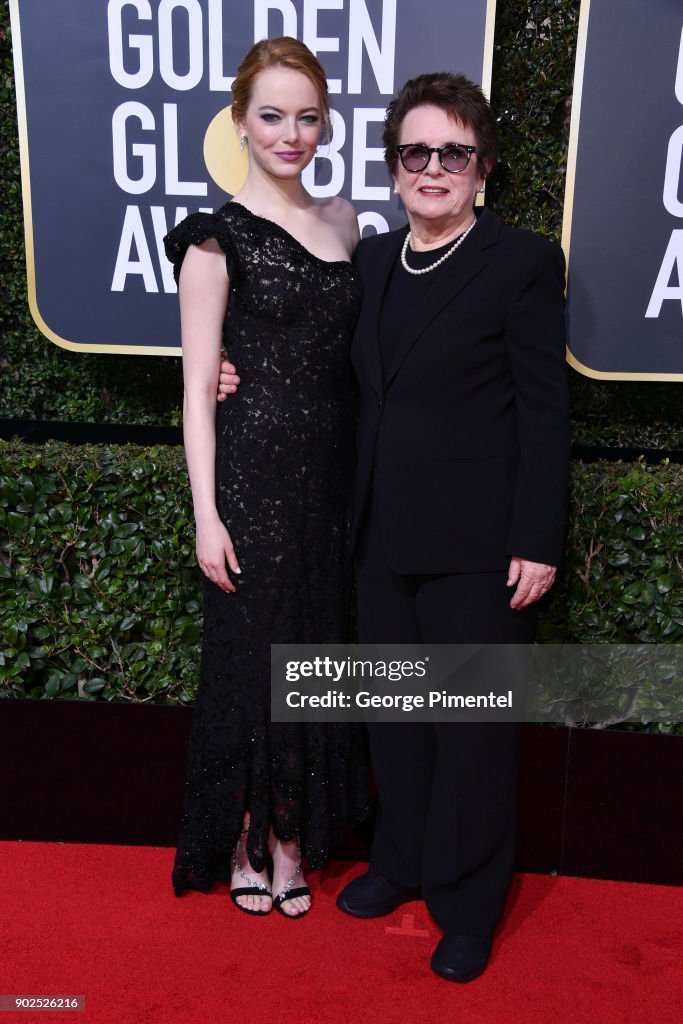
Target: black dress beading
(284, 459)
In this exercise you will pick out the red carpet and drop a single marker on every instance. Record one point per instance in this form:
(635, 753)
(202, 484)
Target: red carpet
(101, 921)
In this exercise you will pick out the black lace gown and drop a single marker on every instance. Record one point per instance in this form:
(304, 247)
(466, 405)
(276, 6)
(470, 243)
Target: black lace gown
(283, 480)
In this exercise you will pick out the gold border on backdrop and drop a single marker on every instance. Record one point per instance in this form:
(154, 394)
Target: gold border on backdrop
(569, 199)
(133, 350)
(487, 70)
(489, 32)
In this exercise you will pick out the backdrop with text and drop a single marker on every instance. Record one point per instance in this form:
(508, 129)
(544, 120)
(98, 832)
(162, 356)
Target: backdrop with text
(125, 128)
(623, 226)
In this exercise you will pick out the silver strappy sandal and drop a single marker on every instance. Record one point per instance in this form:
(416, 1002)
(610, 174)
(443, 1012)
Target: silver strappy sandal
(255, 888)
(289, 893)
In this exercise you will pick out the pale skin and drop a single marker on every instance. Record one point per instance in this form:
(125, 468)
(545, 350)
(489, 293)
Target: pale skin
(282, 124)
(439, 206)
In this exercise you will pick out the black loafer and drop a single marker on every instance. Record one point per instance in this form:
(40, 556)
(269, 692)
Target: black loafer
(461, 957)
(373, 896)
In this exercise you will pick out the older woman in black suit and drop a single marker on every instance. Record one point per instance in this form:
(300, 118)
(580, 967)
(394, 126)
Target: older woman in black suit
(460, 498)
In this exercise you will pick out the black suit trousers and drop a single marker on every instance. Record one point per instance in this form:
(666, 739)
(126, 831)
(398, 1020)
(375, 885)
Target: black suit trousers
(447, 791)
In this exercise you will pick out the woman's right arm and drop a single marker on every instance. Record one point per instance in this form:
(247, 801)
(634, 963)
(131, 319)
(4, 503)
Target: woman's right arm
(203, 293)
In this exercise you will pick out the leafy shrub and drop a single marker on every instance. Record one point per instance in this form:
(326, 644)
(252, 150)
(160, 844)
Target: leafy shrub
(607, 684)
(100, 593)
(99, 590)
(623, 584)
(533, 73)
(625, 577)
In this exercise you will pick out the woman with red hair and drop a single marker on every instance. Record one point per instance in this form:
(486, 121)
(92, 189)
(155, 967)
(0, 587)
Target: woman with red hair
(269, 276)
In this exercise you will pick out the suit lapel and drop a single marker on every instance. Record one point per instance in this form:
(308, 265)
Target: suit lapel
(375, 284)
(467, 263)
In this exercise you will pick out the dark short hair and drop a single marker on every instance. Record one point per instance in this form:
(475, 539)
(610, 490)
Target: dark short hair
(458, 97)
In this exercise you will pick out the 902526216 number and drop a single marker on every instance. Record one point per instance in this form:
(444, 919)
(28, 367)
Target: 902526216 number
(22, 1002)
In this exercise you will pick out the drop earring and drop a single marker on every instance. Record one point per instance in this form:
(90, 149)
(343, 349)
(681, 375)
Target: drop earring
(243, 141)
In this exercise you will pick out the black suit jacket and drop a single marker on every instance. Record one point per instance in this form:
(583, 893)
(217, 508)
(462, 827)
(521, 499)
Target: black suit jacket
(463, 440)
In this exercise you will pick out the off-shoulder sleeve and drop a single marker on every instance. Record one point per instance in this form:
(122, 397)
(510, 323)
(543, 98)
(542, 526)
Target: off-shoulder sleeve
(196, 229)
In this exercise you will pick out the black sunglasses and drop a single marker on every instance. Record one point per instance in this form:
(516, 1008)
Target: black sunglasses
(453, 157)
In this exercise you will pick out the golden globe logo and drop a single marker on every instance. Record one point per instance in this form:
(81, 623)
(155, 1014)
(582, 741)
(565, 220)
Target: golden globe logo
(225, 161)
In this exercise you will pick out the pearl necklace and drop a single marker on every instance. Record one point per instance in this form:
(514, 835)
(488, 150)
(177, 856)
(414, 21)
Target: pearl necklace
(442, 259)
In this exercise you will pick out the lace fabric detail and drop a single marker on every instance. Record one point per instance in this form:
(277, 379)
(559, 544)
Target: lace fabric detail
(284, 461)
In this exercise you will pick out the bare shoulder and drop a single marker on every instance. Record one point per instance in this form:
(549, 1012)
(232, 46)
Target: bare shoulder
(340, 214)
(204, 263)
(209, 245)
(335, 209)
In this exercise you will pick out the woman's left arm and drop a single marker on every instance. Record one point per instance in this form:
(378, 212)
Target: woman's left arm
(536, 347)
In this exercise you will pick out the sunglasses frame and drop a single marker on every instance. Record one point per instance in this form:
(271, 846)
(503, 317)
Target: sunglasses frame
(434, 149)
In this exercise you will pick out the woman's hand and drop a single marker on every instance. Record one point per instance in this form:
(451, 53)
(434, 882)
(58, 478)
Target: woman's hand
(533, 579)
(214, 548)
(228, 379)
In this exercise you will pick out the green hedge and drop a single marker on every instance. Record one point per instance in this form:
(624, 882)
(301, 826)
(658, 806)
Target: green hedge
(100, 593)
(624, 581)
